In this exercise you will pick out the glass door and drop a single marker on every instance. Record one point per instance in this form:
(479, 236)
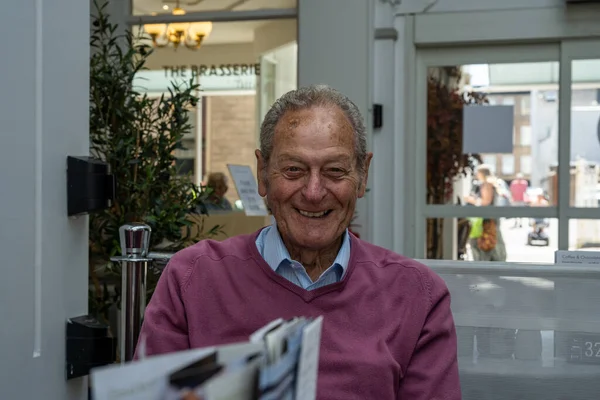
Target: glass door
(580, 147)
(487, 140)
(523, 120)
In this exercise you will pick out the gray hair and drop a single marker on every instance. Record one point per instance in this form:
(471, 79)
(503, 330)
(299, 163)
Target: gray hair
(307, 97)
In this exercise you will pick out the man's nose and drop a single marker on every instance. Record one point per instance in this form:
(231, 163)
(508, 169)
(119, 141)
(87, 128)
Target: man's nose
(314, 189)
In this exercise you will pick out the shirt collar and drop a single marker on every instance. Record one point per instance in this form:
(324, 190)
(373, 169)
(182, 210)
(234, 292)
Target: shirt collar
(275, 251)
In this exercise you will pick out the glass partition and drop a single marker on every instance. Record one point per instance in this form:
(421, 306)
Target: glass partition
(241, 67)
(502, 115)
(584, 234)
(585, 133)
(530, 116)
(518, 239)
(525, 332)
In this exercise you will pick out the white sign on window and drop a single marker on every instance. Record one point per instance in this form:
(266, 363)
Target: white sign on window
(158, 81)
(247, 189)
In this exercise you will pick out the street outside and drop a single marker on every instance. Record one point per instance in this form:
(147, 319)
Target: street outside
(517, 249)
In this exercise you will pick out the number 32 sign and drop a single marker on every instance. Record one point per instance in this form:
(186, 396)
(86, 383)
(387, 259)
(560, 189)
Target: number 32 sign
(585, 349)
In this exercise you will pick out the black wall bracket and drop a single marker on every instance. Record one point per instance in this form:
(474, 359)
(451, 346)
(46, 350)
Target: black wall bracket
(377, 116)
(90, 186)
(89, 345)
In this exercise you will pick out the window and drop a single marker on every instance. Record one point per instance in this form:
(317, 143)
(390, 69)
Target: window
(492, 100)
(525, 135)
(535, 86)
(508, 101)
(508, 164)
(526, 165)
(526, 105)
(489, 159)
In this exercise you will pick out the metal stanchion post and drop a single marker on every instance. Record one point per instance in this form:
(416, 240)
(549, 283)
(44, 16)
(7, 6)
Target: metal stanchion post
(135, 240)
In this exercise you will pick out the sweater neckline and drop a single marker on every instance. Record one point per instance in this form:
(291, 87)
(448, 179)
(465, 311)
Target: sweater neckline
(306, 295)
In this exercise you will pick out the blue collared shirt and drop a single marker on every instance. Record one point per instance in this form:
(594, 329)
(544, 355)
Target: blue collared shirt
(271, 248)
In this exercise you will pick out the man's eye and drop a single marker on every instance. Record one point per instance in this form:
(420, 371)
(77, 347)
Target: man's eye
(293, 171)
(336, 171)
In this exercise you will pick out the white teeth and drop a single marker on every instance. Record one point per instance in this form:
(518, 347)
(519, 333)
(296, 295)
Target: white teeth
(312, 214)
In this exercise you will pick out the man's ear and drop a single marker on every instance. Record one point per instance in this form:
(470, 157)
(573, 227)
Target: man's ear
(261, 173)
(363, 182)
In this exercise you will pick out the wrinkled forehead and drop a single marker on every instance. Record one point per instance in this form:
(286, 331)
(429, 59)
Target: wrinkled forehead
(327, 124)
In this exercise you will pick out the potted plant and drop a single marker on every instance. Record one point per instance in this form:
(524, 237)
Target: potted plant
(137, 136)
(445, 158)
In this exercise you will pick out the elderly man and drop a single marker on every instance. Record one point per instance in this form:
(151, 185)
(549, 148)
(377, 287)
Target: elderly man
(388, 332)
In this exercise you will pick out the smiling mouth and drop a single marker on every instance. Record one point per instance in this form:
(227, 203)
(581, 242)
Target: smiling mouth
(320, 214)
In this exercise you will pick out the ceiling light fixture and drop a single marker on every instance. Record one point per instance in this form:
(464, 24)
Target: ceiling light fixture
(190, 34)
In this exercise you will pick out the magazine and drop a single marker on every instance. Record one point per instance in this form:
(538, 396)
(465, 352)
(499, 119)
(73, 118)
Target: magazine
(279, 361)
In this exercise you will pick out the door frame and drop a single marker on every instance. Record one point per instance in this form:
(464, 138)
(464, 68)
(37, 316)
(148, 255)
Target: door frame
(561, 51)
(571, 50)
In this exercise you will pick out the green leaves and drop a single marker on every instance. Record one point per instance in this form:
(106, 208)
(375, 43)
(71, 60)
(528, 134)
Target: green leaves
(137, 136)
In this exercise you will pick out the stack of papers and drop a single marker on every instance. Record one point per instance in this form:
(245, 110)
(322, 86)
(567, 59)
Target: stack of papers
(280, 361)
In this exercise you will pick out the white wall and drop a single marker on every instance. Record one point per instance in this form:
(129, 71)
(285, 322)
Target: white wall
(43, 118)
(287, 68)
(487, 22)
(441, 6)
(274, 35)
(335, 48)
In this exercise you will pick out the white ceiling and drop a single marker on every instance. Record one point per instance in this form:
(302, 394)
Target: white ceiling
(147, 7)
(233, 32)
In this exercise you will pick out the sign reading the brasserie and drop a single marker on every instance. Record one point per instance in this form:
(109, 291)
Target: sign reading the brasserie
(211, 70)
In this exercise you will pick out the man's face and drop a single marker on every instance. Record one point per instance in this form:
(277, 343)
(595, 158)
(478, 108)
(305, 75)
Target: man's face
(312, 181)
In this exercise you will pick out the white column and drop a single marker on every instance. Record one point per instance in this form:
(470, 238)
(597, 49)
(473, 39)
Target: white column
(335, 48)
(44, 107)
(383, 178)
(405, 185)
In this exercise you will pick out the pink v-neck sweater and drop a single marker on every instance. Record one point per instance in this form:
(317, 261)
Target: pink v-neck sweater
(388, 332)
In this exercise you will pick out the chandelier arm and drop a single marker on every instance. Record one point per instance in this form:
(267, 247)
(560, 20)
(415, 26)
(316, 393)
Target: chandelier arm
(196, 41)
(191, 35)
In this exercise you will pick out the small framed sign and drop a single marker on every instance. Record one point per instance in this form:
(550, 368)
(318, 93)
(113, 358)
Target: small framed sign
(584, 348)
(247, 189)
